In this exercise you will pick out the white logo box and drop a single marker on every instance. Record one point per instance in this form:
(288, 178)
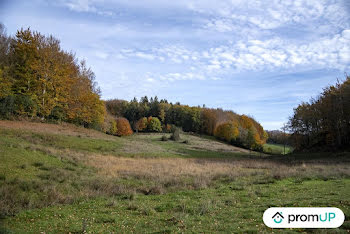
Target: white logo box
(303, 217)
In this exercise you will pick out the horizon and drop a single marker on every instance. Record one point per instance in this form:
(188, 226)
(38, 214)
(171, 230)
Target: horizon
(253, 58)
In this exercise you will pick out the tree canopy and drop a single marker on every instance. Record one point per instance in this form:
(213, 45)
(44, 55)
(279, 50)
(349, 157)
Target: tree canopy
(324, 122)
(39, 79)
(150, 114)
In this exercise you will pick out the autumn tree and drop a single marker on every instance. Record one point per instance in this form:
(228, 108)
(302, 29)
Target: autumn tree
(141, 124)
(5, 81)
(227, 131)
(110, 125)
(39, 79)
(123, 127)
(84, 104)
(323, 123)
(209, 121)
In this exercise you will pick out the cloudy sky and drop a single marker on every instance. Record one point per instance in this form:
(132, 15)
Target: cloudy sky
(260, 58)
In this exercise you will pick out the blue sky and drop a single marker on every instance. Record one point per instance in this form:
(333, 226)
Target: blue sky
(260, 58)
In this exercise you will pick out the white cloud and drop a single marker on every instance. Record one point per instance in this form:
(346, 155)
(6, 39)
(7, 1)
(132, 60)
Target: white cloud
(91, 6)
(328, 52)
(252, 55)
(182, 76)
(144, 55)
(150, 80)
(249, 17)
(101, 54)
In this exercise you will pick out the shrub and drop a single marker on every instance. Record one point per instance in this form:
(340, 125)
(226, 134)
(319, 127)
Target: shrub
(20, 105)
(110, 125)
(57, 114)
(25, 106)
(7, 107)
(113, 128)
(123, 127)
(164, 138)
(167, 128)
(175, 136)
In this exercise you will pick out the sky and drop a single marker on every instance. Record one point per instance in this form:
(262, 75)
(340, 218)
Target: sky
(260, 58)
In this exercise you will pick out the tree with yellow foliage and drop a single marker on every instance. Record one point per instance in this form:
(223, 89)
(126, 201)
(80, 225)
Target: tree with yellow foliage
(227, 131)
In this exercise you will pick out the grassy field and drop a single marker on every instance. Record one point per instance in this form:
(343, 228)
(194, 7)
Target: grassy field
(277, 149)
(62, 178)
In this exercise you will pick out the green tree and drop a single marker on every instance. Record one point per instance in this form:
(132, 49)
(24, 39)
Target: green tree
(154, 124)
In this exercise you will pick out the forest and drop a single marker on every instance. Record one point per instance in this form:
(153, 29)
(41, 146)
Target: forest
(38, 79)
(153, 115)
(323, 123)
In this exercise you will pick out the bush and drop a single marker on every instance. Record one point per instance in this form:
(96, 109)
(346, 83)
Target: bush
(113, 128)
(175, 136)
(7, 107)
(167, 128)
(25, 106)
(19, 104)
(109, 125)
(123, 127)
(57, 114)
(164, 138)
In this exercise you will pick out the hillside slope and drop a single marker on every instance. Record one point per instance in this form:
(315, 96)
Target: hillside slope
(62, 178)
(138, 143)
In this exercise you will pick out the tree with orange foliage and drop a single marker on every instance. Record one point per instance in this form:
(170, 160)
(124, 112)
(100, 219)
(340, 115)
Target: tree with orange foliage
(141, 124)
(123, 127)
(168, 127)
(246, 122)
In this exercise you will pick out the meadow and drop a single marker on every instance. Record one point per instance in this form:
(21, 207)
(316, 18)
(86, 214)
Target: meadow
(277, 148)
(63, 178)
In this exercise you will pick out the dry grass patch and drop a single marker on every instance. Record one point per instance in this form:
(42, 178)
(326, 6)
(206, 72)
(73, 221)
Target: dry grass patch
(134, 146)
(60, 129)
(198, 143)
(203, 170)
(206, 170)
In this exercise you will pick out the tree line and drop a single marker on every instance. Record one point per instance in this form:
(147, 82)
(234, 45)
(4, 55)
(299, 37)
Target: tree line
(279, 137)
(154, 115)
(324, 122)
(38, 79)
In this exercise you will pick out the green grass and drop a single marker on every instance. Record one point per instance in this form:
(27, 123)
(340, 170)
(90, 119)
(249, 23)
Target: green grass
(277, 149)
(221, 209)
(63, 142)
(19, 161)
(47, 186)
